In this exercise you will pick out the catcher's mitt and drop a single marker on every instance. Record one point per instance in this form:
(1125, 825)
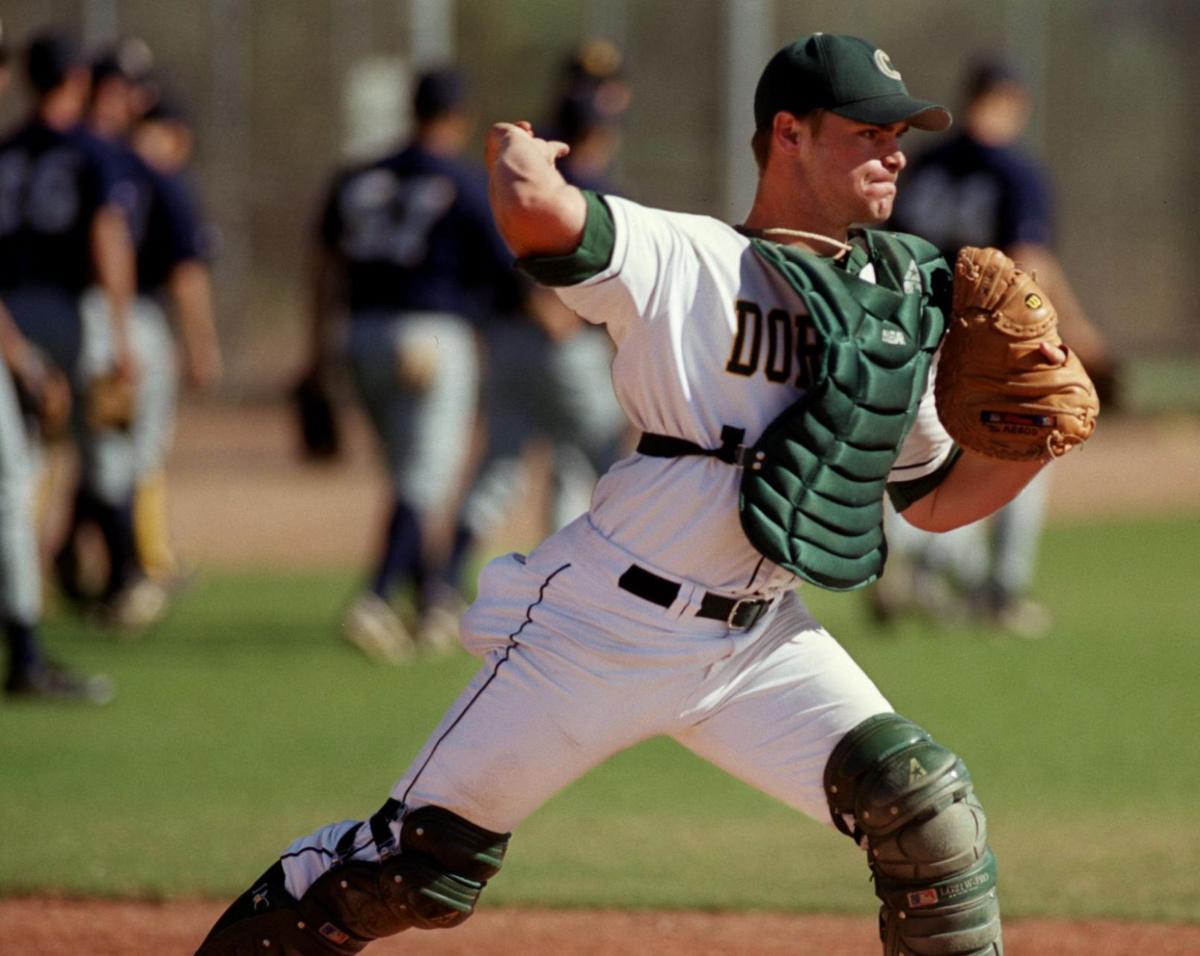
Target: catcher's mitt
(997, 392)
(110, 401)
(316, 419)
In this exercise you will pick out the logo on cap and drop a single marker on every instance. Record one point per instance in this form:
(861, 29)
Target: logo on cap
(884, 62)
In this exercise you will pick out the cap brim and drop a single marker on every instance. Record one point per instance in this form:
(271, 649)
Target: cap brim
(882, 110)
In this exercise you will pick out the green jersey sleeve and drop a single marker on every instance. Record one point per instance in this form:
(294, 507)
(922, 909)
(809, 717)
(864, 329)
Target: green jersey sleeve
(592, 256)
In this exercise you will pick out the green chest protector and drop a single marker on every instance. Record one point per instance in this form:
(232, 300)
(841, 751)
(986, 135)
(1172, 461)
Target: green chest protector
(813, 484)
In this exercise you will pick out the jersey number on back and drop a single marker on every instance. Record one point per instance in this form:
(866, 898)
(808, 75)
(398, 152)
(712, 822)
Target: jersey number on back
(389, 219)
(41, 194)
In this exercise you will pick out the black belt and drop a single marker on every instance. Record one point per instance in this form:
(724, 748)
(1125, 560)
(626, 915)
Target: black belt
(737, 613)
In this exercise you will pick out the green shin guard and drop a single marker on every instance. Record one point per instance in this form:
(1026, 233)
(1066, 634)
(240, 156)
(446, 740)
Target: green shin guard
(926, 836)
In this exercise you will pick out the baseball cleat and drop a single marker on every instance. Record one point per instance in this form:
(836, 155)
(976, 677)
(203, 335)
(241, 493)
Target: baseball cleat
(438, 634)
(54, 683)
(1023, 617)
(268, 919)
(375, 629)
(138, 607)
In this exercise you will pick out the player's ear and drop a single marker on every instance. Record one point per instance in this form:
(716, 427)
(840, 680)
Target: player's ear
(790, 133)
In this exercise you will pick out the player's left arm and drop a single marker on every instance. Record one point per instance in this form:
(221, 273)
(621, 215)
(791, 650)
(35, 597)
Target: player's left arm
(537, 211)
(189, 284)
(972, 487)
(115, 267)
(937, 485)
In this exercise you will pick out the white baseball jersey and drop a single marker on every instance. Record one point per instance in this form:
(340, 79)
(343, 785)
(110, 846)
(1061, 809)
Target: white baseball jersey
(672, 298)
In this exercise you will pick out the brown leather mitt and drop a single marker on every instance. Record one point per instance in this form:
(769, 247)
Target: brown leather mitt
(110, 401)
(997, 393)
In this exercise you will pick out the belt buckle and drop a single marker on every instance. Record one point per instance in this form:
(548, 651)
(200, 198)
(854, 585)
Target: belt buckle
(762, 605)
(733, 613)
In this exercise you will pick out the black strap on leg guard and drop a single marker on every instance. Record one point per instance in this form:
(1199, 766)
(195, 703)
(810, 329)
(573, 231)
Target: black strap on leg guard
(913, 802)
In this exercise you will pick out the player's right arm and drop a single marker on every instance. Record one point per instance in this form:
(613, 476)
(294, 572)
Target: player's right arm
(327, 288)
(537, 212)
(191, 291)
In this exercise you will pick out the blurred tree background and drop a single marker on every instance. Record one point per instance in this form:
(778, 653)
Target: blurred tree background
(280, 91)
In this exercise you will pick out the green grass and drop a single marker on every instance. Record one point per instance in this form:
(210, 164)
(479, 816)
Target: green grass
(242, 724)
(1162, 384)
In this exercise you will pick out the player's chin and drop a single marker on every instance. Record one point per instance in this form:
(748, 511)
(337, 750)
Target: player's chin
(878, 209)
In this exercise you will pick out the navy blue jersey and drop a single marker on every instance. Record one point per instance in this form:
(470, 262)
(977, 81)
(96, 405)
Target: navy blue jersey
(173, 232)
(963, 193)
(161, 217)
(415, 233)
(52, 184)
(133, 190)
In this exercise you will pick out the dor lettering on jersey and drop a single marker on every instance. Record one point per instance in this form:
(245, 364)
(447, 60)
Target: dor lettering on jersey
(791, 345)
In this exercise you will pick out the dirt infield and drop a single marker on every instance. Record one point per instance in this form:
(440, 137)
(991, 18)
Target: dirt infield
(239, 499)
(95, 928)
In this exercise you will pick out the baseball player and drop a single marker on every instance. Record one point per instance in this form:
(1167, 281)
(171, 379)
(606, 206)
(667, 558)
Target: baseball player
(407, 247)
(660, 612)
(28, 386)
(173, 265)
(979, 189)
(62, 230)
(170, 272)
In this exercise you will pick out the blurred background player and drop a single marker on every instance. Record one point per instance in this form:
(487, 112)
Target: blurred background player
(173, 264)
(171, 273)
(29, 673)
(595, 70)
(29, 387)
(408, 251)
(980, 189)
(569, 403)
(62, 231)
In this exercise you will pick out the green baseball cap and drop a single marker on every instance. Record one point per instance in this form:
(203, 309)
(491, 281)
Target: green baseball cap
(845, 75)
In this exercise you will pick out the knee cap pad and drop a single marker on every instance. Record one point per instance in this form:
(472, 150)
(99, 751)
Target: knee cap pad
(433, 882)
(912, 800)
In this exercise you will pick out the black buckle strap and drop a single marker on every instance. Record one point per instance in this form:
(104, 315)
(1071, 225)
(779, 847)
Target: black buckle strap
(381, 828)
(738, 613)
(731, 451)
